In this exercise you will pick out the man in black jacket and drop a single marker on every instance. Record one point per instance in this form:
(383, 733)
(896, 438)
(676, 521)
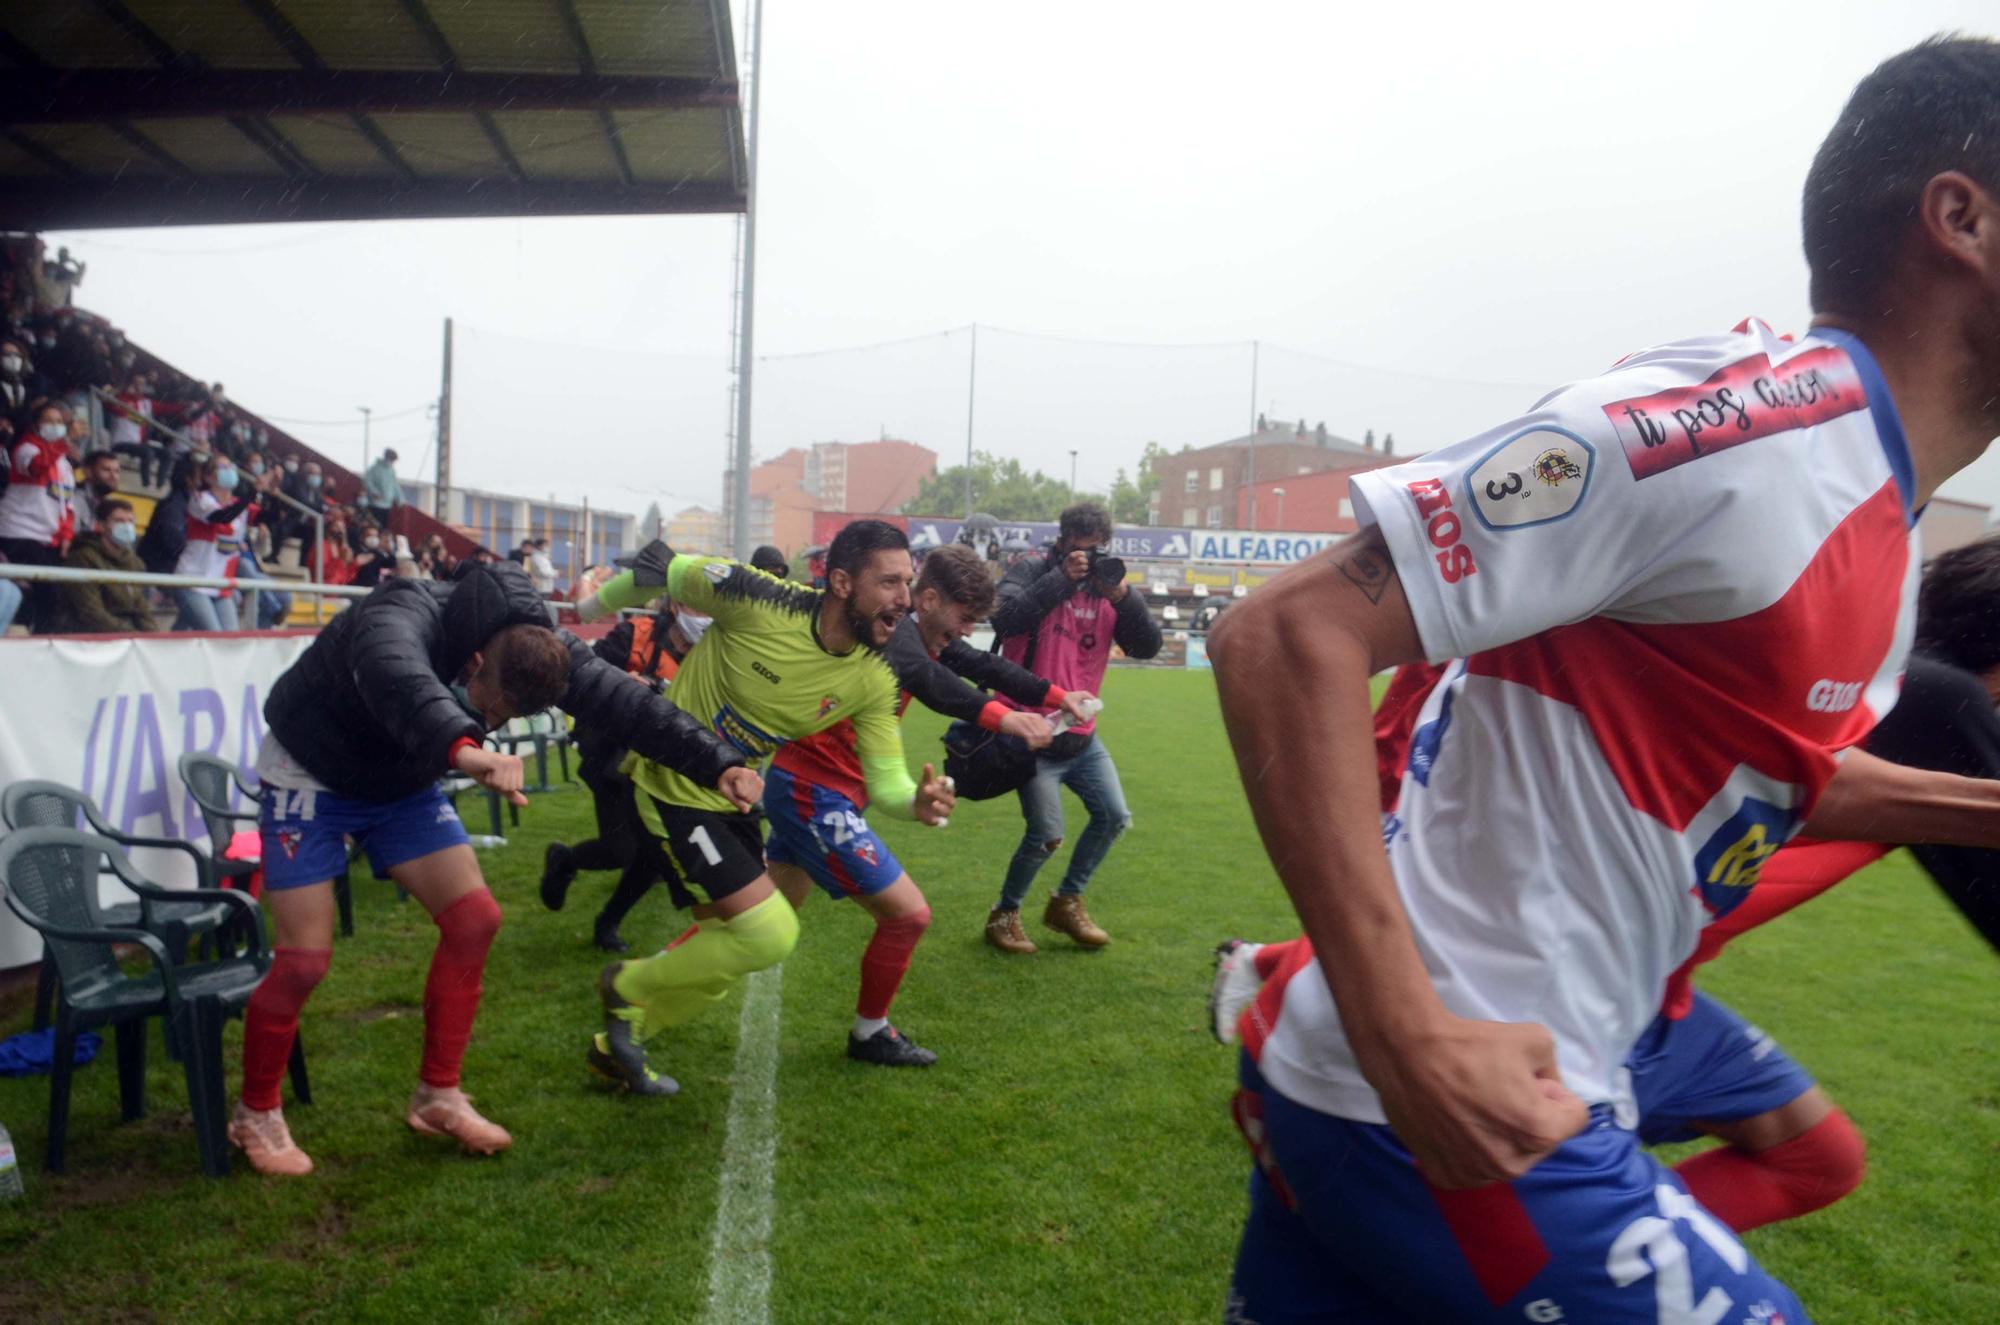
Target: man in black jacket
(816, 791)
(396, 692)
(1059, 617)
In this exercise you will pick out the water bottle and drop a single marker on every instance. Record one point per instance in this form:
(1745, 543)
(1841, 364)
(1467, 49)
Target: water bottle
(10, 1168)
(1091, 708)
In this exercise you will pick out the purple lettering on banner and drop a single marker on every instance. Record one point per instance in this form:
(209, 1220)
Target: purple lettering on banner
(148, 756)
(111, 764)
(90, 747)
(251, 730)
(195, 704)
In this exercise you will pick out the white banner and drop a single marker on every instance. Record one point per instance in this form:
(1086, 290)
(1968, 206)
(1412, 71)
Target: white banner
(112, 718)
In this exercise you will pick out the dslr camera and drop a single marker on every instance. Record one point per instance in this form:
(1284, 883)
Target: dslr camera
(1106, 570)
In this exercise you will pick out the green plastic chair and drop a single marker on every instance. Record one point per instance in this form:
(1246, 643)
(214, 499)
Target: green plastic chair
(50, 882)
(209, 780)
(179, 917)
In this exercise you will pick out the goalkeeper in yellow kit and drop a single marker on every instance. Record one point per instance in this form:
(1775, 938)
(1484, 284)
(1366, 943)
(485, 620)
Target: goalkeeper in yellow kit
(780, 662)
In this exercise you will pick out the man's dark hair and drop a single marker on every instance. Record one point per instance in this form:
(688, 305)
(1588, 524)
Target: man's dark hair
(109, 507)
(1086, 519)
(771, 561)
(1933, 108)
(390, 455)
(531, 666)
(1958, 607)
(860, 540)
(960, 574)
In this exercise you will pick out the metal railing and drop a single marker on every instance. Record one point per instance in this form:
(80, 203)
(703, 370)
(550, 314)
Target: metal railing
(318, 518)
(82, 575)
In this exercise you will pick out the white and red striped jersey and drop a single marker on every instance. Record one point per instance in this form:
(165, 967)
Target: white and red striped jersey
(1676, 593)
(213, 547)
(36, 505)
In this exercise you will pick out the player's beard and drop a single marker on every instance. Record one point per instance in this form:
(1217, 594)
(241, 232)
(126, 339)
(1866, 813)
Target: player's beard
(863, 627)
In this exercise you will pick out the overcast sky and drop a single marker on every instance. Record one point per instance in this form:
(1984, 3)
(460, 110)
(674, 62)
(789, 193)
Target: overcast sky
(1425, 215)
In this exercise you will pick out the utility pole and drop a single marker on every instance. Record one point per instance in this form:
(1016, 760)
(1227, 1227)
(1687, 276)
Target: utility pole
(1250, 485)
(440, 495)
(739, 533)
(971, 394)
(1072, 476)
(367, 418)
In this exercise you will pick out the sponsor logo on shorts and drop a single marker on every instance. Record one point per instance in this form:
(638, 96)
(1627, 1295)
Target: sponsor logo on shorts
(1833, 696)
(1728, 864)
(1750, 398)
(1532, 478)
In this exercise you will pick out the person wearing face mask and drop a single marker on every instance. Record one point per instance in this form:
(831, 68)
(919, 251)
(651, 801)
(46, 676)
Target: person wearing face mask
(19, 382)
(217, 521)
(36, 518)
(105, 608)
(376, 558)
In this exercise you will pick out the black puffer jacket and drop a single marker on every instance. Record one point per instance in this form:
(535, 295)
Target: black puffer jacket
(368, 710)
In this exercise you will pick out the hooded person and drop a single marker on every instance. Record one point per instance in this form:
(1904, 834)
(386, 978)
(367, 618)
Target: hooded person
(395, 694)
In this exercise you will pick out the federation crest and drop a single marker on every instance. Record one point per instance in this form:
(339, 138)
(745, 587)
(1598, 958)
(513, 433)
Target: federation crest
(289, 839)
(865, 849)
(829, 704)
(1554, 465)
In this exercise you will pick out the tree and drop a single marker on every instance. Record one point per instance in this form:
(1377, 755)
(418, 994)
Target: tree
(1131, 503)
(652, 524)
(1000, 488)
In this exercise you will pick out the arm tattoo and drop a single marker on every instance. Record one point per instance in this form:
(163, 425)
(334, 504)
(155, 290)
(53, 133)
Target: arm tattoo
(1367, 566)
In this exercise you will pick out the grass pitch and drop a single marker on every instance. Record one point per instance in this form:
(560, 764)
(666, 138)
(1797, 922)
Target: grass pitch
(1070, 1159)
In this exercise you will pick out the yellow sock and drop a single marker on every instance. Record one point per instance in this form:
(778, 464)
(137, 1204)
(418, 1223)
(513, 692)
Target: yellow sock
(677, 984)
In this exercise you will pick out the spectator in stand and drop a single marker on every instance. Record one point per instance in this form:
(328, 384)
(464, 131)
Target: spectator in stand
(166, 533)
(305, 485)
(376, 559)
(198, 420)
(10, 599)
(36, 518)
(217, 522)
(20, 384)
(540, 569)
(380, 488)
(339, 554)
(443, 564)
(106, 608)
(131, 430)
(100, 478)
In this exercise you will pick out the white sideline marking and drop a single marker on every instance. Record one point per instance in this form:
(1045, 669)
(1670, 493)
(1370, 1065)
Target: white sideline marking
(739, 1255)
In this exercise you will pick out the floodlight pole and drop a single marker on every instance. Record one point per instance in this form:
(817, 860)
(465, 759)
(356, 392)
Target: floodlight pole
(440, 491)
(739, 533)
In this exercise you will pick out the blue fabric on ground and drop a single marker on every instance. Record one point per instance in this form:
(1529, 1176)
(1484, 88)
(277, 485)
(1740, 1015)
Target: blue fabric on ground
(33, 1053)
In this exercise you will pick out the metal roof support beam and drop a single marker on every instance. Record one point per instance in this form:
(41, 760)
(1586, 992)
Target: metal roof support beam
(40, 96)
(573, 25)
(296, 45)
(73, 201)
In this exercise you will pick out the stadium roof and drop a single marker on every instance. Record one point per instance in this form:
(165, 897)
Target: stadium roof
(175, 112)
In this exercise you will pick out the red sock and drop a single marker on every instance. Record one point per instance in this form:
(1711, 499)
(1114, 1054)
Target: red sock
(1268, 958)
(271, 1021)
(451, 994)
(887, 958)
(1748, 1189)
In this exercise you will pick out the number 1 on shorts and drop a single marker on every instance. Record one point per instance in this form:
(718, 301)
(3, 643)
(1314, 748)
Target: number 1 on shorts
(699, 837)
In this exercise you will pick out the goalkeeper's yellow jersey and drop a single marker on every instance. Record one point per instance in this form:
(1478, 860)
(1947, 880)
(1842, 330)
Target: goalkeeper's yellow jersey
(759, 677)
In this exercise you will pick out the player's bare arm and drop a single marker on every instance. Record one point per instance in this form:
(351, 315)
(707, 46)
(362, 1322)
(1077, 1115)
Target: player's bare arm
(1874, 800)
(1474, 1101)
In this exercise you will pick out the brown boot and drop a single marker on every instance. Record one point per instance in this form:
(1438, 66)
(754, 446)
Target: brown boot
(1003, 931)
(1067, 916)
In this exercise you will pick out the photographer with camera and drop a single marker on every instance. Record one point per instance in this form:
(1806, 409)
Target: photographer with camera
(1058, 616)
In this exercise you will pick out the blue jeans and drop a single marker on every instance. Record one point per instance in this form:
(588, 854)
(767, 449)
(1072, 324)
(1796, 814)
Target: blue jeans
(1094, 779)
(200, 612)
(10, 603)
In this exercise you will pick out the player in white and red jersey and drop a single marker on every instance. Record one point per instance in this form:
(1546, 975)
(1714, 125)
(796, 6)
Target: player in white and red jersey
(1677, 593)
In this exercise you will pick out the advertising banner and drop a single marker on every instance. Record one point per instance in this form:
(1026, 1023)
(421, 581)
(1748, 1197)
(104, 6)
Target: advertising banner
(112, 716)
(1133, 542)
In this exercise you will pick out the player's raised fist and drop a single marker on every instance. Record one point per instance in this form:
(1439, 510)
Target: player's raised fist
(743, 786)
(492, 770)
(935, 798)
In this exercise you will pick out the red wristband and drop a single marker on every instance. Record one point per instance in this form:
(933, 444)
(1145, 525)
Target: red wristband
(990, 716)
(451, 755)
(1055, 697)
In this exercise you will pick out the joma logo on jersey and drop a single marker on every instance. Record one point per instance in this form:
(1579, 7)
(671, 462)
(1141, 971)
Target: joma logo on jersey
(1443, 528)
(1728, 864)
(1833, 696)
